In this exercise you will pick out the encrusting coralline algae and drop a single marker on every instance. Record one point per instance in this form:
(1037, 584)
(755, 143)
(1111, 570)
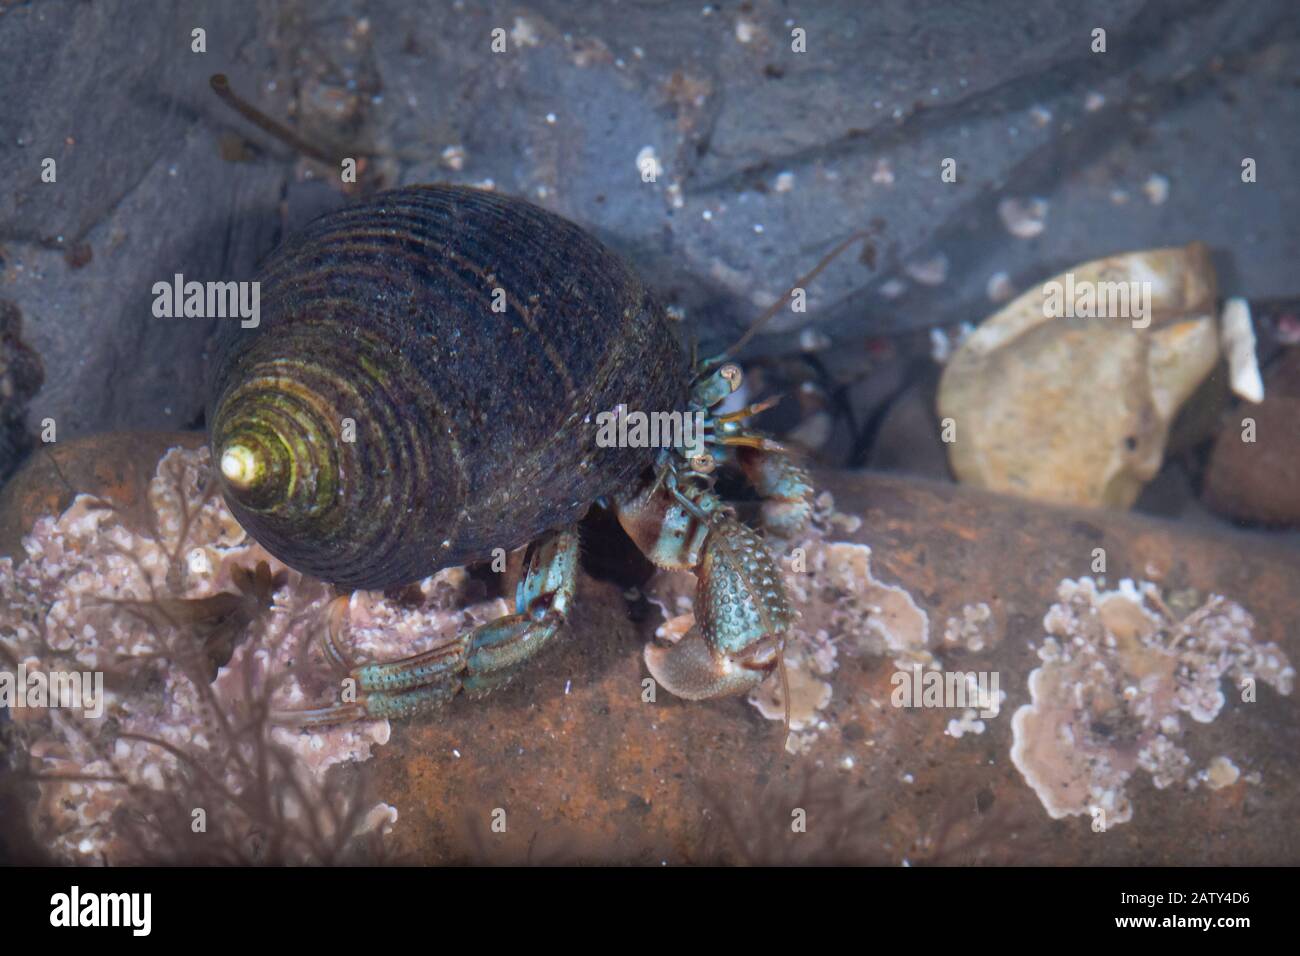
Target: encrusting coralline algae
(199, 633)
(1120, 675)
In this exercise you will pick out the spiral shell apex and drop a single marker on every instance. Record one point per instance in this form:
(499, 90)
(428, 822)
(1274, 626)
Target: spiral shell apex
(384, 420)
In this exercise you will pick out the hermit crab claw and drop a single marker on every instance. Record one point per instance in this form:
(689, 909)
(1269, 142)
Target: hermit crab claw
(690, 670)
(742, 614)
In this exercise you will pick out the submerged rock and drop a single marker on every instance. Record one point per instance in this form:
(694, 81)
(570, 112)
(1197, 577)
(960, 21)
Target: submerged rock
(577, 761)
(1254, 471)
(1067, 394)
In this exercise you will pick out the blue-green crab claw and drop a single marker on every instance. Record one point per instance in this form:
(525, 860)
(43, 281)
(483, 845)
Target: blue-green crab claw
(742, 616)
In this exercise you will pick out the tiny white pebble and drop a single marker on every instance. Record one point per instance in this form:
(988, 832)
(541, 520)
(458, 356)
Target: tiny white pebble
(999, 287)
(1023, 218)
(1157, 189)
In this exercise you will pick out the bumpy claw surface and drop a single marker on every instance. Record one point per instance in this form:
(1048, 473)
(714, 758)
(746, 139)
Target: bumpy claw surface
(742, 615)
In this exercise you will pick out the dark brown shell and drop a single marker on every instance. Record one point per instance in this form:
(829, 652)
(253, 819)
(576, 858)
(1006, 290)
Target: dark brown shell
(474, 429)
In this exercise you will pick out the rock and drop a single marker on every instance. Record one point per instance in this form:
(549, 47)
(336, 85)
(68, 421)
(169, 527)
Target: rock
(581, 766)
(1254, 470)
(150, 183)
(20, 377)
(116, 465)
(1067, 394)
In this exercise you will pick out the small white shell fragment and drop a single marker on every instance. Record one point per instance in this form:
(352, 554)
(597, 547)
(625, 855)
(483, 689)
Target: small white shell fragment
(453, 157)
(893, 288)
(940, 345)
(1237, 338)
(1023, 218)
(1157, 189)
(524, 32)
(931, 271)
(999, 288)
(812, 340)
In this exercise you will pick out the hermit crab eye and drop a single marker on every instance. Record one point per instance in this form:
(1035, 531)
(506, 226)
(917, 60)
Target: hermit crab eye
(703, 463)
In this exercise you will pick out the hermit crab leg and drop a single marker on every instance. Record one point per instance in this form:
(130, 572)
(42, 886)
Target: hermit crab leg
(476, 661)
(784, 487)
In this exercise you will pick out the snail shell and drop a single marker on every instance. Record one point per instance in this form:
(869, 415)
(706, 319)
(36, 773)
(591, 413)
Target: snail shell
(471, 429)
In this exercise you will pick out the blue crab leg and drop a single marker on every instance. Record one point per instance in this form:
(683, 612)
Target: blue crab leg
(783, 486)
(476, 661)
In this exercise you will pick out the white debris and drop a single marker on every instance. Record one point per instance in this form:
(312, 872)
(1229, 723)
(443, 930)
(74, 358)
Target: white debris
(1023, 218)
(524, 32)
(1221, 772)
(999, 288)
(453, 157)
(1237, 338)
(930, 271)
(1157, 189)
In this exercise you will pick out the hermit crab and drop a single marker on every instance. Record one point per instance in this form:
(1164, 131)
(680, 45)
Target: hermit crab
(424, 387)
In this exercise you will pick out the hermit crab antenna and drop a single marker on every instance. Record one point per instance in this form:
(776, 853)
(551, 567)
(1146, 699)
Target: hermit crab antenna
(785, 693)
(221, 86)
(780, 303)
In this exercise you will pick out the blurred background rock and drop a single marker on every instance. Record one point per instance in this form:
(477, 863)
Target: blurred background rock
(766, 159)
